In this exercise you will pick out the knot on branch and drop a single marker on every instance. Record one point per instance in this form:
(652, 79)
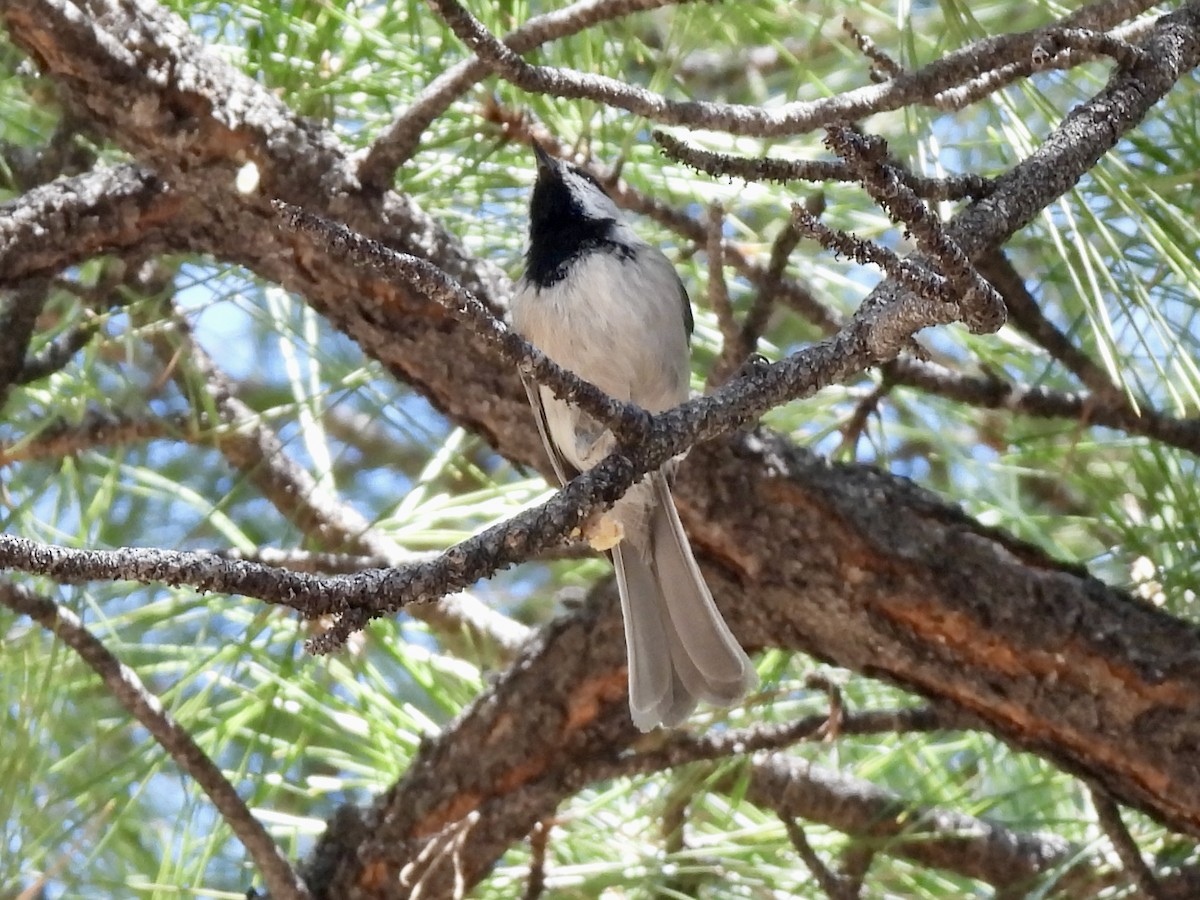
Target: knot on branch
(982, 308)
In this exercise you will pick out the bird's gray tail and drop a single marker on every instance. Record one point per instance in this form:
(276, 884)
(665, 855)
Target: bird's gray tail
(680, 649)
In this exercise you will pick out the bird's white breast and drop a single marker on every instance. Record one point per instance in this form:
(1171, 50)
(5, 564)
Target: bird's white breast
(617, 322)
(620, 324)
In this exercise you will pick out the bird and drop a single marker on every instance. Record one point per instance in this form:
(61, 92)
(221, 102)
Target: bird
(605, 304)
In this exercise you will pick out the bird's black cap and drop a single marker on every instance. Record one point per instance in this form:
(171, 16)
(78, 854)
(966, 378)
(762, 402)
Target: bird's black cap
(545, 162)
(560, 229)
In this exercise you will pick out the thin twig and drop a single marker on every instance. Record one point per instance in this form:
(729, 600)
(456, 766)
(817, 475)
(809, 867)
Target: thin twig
(680, 880)
(799, 298)
(755, 321)
(718, 299)
(1026, 314)
(885, 67)
(990, 392)
(856, 425)
(856, 863)
(98, 429)
(832, 729)
(830, 882)
(1109, 816)
(982, 308)
(917, 278)
(58, 353)
(19, 311)
(785, 171)
(539, 840)
(909, 89)
(794, 788)
(681, 748)
(402, 138)
(1063, 48)
(447, 843)
(129, 691)
(68, 152)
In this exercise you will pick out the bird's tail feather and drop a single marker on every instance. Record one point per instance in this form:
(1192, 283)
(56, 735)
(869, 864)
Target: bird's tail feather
(650, 673)
(680, 649)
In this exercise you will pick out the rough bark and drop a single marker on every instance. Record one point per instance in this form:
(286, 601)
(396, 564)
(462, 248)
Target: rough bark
(858, 568)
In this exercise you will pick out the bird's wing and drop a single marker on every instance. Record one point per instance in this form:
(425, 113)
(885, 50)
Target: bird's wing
(562, 468)
(689, 323)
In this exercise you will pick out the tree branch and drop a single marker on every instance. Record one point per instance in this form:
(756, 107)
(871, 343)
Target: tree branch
(1131, 857)
(830, 882)
(785, 171)
(875, 334)
(988, 392)
(18, 316)
(401, 139)
(1026, 314)
(916, 88)
(143, 706)
(71, 220)
(933, 837)
(97, 429)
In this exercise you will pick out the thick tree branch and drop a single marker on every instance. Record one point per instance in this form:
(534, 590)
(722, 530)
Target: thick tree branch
(570, 687)
(102, 211)
(866, 584)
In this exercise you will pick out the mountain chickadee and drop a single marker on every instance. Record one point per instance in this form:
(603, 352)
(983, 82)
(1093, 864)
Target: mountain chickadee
(600, 301)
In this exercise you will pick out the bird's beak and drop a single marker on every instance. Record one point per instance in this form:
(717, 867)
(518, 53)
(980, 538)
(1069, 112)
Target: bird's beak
(545, 162)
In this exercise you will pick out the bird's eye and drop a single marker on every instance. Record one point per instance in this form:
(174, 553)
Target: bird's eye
(589, 177)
